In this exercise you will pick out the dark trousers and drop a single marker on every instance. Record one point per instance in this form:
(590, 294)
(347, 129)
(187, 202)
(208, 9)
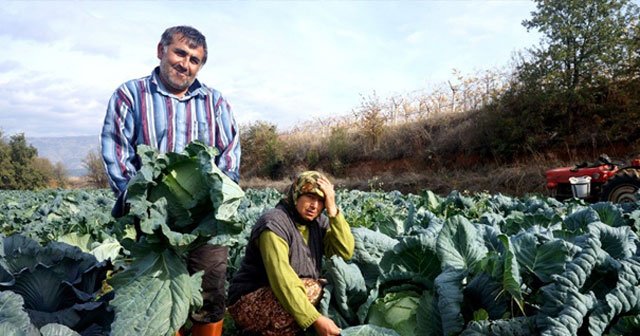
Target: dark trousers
(212, 259)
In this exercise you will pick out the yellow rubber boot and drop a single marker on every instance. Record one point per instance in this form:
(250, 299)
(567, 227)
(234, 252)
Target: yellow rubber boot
(207, 329)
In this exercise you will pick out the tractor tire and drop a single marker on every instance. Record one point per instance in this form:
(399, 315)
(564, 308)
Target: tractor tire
(622, 187)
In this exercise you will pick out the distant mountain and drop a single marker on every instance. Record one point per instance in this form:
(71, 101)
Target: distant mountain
(70, 151)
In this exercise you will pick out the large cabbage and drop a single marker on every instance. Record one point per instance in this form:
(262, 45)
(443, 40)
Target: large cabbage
(184, 197)
(178, 201)
(55, 287)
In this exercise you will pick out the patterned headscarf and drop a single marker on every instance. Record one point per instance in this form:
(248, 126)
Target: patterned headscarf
(305, 183)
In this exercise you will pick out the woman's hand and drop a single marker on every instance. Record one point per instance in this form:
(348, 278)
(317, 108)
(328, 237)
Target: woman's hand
(325, 327)
(329, 196)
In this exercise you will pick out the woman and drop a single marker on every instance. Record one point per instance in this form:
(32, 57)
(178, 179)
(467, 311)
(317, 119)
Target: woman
(278, 283)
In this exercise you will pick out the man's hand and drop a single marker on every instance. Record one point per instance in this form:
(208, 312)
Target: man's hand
(325, 327)
(329, 196)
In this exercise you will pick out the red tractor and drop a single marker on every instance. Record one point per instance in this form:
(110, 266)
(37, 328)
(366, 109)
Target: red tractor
(604, 180)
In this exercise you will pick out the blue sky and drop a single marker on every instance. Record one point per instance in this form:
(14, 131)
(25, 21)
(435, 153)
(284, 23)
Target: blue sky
(283, 62)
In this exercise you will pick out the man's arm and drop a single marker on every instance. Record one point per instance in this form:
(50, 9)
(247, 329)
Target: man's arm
(117, 143)
(229, 159)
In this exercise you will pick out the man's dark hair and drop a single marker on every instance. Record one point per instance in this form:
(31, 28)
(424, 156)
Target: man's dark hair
(194, 37)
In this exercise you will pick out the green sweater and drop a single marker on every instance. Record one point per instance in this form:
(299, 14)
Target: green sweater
(284, 281)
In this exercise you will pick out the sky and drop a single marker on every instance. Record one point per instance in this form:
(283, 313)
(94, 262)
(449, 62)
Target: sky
(282, 62)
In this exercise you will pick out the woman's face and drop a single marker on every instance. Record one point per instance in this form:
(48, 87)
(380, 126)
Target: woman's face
(309, 206)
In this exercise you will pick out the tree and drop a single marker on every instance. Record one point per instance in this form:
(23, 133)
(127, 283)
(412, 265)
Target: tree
(21, 168)
(96, 173)
(583, 41)
(582, 73)
(372, 119)
(26, 174)
(634, 57)
(55, 175)
(262, 150)
(7, 174)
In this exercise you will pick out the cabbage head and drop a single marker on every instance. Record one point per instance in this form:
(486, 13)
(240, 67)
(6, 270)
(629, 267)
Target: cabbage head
(397, 311)
(183, 198)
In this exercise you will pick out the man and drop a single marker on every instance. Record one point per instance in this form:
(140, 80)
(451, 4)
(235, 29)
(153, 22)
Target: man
(167, 110)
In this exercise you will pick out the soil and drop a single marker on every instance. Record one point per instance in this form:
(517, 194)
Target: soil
(413, 176)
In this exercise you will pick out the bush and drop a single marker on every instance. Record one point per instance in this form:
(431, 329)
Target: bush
(263, 149)
(96, 173)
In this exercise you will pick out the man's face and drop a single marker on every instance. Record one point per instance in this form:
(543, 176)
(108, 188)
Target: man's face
(179, 64)
(309, 206)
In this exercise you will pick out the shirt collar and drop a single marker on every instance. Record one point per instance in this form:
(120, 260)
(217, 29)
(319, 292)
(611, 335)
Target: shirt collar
(194, 90)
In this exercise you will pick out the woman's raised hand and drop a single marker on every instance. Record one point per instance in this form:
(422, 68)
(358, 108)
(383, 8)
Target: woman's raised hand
(329, 196)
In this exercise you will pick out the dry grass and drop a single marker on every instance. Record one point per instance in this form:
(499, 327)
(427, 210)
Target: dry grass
(78, 182)
(261, 183)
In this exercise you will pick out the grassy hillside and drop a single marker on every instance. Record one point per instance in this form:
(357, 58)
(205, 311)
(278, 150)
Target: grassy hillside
(503, 145)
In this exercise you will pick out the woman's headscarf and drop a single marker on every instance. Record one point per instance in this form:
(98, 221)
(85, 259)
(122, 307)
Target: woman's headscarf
(305, 183)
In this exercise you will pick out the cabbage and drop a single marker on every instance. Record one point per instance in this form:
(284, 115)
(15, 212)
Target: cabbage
(184, 196)
(396, 311)
(181, 201)
(367, 330)
(56, 287)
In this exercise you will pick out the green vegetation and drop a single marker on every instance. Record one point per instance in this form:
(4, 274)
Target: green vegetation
(464, 264)
(579, 89)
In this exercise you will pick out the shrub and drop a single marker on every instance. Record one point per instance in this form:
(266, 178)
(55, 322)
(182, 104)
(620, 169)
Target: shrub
(96, 173)
(263, 149)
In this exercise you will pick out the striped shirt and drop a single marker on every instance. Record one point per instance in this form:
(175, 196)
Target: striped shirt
(142, 111)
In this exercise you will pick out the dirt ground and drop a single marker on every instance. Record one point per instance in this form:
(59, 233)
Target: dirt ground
(409, 177)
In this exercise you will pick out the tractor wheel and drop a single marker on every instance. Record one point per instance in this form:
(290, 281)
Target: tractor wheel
(622, 187)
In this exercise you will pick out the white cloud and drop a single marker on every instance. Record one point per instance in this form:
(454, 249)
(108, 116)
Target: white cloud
(282, 62)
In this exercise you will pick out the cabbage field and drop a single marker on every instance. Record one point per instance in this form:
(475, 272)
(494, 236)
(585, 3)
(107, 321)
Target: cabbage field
(424, 264)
